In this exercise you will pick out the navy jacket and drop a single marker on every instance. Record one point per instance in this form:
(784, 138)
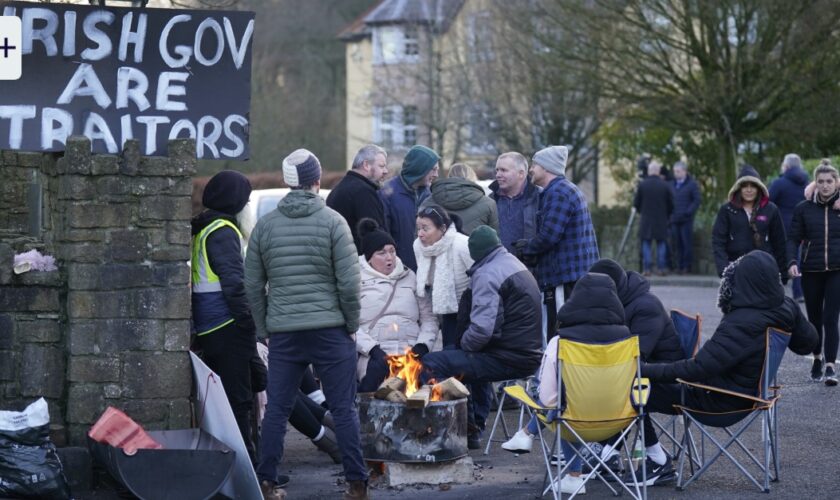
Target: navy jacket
(355, 198)
(517, 215)
(686, 201)
(787, 191)
(401, 204)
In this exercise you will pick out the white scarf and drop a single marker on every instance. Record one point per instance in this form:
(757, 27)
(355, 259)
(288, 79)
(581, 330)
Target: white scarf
(444, 297)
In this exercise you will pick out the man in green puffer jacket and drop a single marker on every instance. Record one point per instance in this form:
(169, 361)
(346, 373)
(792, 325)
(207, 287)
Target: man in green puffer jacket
(304, 253)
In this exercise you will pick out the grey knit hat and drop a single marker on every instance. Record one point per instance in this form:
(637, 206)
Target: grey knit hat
(301, 168)
(552, 159)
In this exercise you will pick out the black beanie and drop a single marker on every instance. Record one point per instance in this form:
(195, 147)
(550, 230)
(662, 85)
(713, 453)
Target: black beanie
(483, 240)
(373, 238)
(228, 192)
(612, 269)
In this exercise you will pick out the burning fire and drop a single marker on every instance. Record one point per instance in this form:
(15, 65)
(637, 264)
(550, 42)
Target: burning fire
(408, 367)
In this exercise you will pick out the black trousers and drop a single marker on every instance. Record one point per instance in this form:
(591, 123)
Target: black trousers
(550, 301)
(228, 352)
(822, 301)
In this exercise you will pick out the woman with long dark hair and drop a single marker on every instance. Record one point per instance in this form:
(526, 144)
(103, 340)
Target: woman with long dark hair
(815, 229)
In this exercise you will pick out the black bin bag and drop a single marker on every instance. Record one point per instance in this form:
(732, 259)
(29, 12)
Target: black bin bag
(29, 464)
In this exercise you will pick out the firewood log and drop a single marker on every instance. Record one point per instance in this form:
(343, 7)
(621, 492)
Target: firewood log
(420, 399)
(389, 386)
(451, 389)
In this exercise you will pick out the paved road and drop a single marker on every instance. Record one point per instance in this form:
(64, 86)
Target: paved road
(808, 440)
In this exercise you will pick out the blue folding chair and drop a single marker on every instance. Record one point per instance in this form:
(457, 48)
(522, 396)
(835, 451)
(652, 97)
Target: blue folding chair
(688, 332)
(763, 408)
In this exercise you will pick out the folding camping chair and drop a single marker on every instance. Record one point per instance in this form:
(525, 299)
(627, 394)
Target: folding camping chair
(688, 332)
(763, 406)
(500, 416)
(604, 397)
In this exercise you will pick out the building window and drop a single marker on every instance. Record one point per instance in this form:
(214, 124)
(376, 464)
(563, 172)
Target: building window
(395, 127)
(480, 37)
(483, 127)
(396, 44)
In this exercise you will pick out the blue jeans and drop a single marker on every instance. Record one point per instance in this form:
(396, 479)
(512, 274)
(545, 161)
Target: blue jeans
(682, 235)
(661, 263)
(477, 369)
(333, 353)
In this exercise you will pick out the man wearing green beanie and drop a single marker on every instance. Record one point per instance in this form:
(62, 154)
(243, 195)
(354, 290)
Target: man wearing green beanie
(504, 338)
(403, 194)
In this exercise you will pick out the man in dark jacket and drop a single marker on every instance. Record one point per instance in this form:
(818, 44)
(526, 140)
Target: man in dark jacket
(786, 192)
(356, 196)
(503, 339)
(654, 201)
(752, 299)
(221, 315)
(404, 194)
(686, 203)
(517, 200)
(564, 247)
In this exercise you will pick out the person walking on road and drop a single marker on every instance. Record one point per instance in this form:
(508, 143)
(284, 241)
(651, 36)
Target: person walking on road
(655, 202)
(787, 192)
(815, 232)
(303, 252)
(748, 221)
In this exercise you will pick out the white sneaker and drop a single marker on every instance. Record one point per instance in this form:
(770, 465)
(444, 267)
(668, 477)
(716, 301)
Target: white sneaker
(520, 442)
(569, 484)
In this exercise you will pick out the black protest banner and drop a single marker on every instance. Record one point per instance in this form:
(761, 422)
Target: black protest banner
(114, 74)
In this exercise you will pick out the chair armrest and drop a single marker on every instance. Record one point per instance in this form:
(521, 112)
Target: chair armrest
(723, 391)
(640, 392)
(518, 393)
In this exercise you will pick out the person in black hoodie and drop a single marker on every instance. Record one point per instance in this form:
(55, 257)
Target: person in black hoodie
(752, 299)
(748, 221)
(221, 314)
(815, 228)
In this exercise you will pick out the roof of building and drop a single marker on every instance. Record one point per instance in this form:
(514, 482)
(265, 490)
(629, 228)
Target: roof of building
(437, 13)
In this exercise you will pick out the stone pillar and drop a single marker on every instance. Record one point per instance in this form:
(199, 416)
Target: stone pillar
(120, 229)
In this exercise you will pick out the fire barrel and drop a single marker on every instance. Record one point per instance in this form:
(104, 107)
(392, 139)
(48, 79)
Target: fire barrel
(393, 432)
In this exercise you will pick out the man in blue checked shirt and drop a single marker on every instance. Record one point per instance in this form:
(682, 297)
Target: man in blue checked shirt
(564, 247)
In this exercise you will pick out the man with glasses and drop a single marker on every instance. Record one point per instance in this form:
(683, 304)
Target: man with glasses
(403, 194)
(356, 196)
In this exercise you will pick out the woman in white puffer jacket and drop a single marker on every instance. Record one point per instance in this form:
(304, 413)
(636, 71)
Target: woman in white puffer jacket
(393, 318)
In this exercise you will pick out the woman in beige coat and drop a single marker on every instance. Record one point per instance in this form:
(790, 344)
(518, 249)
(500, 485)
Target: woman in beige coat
(393, 317)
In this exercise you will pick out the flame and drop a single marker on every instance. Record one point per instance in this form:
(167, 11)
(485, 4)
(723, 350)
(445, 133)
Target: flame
(408, 368)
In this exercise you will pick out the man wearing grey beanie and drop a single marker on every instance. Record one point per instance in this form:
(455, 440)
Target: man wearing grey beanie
(564, 247)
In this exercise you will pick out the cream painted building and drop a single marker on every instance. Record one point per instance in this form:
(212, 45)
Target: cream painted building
(414, 69)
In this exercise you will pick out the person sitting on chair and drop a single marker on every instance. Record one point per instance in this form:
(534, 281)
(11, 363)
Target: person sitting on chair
(752, 299)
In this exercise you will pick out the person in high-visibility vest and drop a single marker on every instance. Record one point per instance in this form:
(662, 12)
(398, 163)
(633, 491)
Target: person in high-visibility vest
(221, 315)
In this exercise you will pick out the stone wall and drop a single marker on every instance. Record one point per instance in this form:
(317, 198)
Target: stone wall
(119, 307)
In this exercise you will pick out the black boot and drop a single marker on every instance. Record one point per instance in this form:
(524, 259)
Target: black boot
(356, 490)
(329, 445)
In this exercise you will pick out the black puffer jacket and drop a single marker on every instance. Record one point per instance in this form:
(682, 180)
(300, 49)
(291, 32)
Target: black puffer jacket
(816, 226)
(647, 318)
(593, 313)
(733, 237)
(752, 299)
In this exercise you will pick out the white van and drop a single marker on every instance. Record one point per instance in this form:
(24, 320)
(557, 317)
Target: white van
(261, 202)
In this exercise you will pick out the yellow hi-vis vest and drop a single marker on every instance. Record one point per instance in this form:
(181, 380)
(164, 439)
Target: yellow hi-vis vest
(204, 280)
